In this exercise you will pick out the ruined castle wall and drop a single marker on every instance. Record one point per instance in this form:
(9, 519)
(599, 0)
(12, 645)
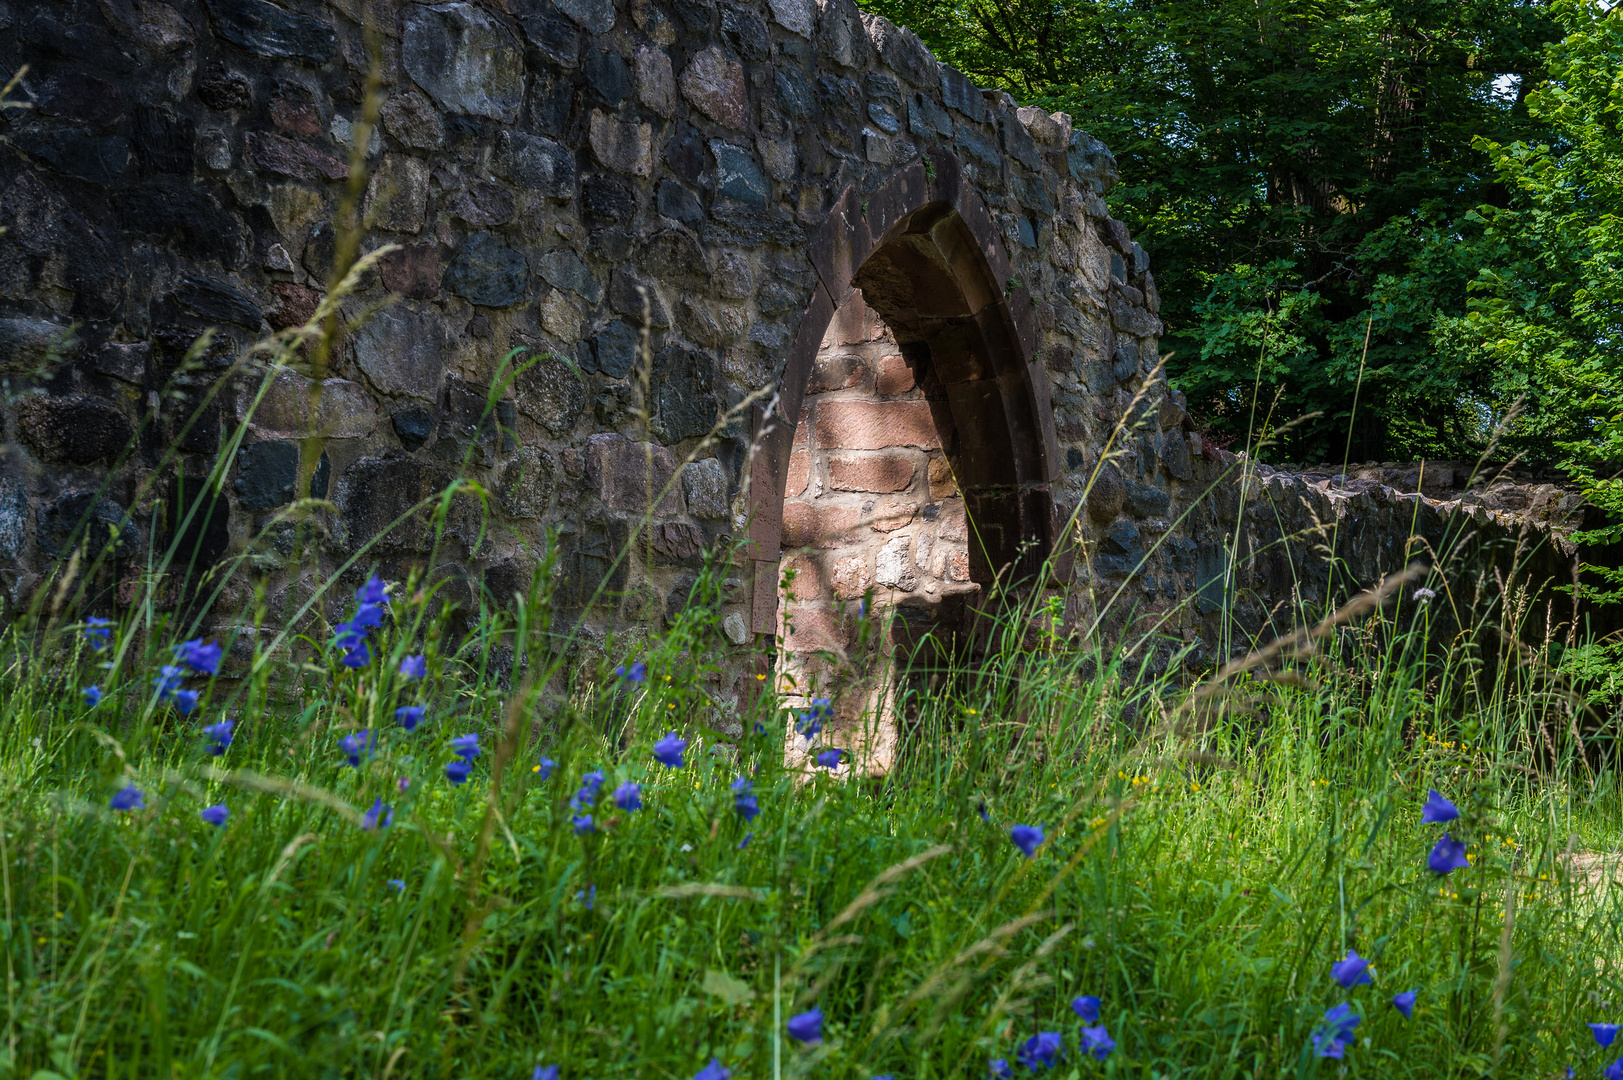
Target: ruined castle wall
(564, 177)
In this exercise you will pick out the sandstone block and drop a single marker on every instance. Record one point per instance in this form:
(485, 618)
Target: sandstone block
(346, 410)
(799, 474)
(895, 376)
(865, 425)
(881, 473)
(851, 577)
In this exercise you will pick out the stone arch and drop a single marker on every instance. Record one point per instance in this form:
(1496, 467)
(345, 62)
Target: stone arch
(925, 252)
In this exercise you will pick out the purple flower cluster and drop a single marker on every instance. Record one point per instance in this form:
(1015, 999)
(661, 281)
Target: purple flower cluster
(372, 599)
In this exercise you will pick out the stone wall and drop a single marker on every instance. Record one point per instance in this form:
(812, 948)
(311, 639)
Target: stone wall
(558, 177)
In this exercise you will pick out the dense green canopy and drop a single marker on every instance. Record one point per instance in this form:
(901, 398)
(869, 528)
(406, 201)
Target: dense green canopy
(1309, 175)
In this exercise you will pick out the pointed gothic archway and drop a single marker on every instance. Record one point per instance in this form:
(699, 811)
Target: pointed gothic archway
(923, 254)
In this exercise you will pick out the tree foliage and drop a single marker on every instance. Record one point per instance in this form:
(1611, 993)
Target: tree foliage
(1307, 175)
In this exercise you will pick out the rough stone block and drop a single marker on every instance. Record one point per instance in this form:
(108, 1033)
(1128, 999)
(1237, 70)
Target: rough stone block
(704, 486)
(402, 351)
(623, 147)
(397, 195)
(410, 118)
(464, 58)
(631, 476)
(73, 430)
(656, 84)
(346, 410)
(851, 577)
(487, 272)
(268, 474)
(893, 565)
(264, 28)
(551, 393)
(714, 83)
(798, 475)
(412, 271)
(289, 157)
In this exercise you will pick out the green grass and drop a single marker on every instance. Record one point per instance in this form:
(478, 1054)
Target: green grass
(1205, 864)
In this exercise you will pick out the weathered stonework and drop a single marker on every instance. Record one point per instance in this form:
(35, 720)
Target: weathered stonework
(744, 182)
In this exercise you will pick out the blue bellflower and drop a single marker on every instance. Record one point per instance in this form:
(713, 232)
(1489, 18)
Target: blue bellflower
(1086, 1008)
(219, 737)
(373, 592)
(98, 632)
(1097, 1042)
(744, 803)
(998, 1069)
(668, 751)
(1614, 1071)
(1438, 810)
(215, 815)
(1605, 1034)
(713, 1071)
(829, 759)
(397, 884)
(637, 672)
(1027, 838)
(590, 785)
(92, 696)
(1335, 1031)
(128, 797)
(414, 667)
(357, 745)
(1447, 856)
(545, 767)
(201, 658)
(367, 616)
(168, 684)
(807, 1027)
(744, 843)
(548, 1073)
(582, 823)
(381, 816)
(457, 771)
(358, 657)
(409, 716)
(466, 747)
(1404, 1002)
(811, 721)
(1351, 972)
(628, 796)
(1041, 1051)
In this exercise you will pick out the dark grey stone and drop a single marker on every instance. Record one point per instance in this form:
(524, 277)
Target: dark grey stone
(883, 119)
(608, 77)
(926, 118)
(26, 344)
(1175, 455)
(402, 351)
(676, 201)
(539, 164)
(223, 90)
(1124, 365)
(13, 520)
(487, 272)
(551, 393)
(1091, 163)
(794, 92)
(606, 199)
(414, 426)
(81, 518)
(594, 16)
(125, 361)
(551, 32)
(961, 95)
(525, 484)
(81, 154)
(268, 30)
(685, 154)
(173, 210)
(614, 349)
(563, 269)
(268, 475)
(464, 58)
(611, 243)
(1120, 552)
(216, 302)
(1146, 501)
(745, 33)
(74, 430)
(683, 405)
(736, 224)
(738, 176)
(78, 40)
(483, 205)
(472, 427)
(841, 99)
(978, 146)
(636, 297)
